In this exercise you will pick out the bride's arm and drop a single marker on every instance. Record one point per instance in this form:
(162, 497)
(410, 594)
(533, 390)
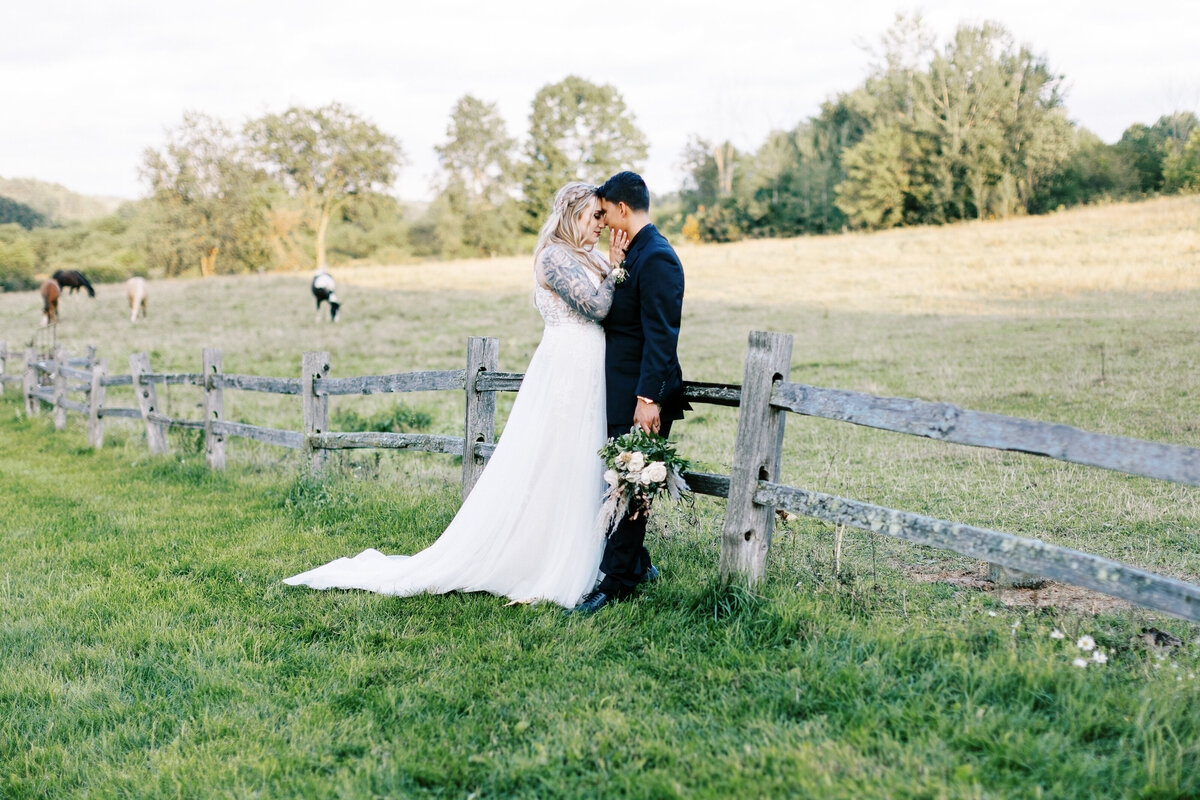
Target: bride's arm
(569, 280)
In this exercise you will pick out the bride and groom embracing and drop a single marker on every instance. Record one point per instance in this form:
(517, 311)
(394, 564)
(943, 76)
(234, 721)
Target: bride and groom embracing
(607, 361)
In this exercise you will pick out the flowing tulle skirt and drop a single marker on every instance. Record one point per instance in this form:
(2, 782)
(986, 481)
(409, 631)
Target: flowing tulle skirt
(527, 530)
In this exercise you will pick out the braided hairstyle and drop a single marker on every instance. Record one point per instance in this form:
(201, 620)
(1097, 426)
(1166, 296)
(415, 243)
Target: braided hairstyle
(562, 227)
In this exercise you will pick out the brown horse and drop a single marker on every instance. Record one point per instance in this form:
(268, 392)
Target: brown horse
(74, 280)
(50, 293)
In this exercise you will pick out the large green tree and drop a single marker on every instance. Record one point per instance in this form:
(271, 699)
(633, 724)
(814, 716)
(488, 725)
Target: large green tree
(207, 201)
(475, 209)
(578, 130)
(325, 156)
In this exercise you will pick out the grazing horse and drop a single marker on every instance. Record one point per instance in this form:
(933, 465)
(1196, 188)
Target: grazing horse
(74, 280)
(50, 293)
(135, 290)
(324, 289)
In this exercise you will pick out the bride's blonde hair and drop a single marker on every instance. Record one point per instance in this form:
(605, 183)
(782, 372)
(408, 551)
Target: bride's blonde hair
(562, 227)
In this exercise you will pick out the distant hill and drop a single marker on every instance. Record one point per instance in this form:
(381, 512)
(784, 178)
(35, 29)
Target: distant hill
(55, 202)
(23, 215)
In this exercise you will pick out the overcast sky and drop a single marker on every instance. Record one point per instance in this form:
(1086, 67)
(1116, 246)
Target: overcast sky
(86, 86)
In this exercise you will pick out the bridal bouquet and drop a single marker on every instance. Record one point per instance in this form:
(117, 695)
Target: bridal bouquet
(640, 466)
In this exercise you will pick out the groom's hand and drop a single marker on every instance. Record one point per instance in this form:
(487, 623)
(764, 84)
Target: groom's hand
(647, 416)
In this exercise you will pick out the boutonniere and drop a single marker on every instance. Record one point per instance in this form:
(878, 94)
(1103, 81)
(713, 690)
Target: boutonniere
(619, 272)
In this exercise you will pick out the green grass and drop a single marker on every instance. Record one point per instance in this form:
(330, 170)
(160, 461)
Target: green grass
(147, 647)
(149, 650)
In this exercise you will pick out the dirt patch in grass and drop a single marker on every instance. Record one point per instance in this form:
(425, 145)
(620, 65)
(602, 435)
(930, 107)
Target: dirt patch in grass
(1061, 596)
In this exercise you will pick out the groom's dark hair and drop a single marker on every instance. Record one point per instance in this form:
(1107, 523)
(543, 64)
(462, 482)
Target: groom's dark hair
(627, 188)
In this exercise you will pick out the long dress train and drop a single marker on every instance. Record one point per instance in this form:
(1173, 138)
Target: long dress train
(527, 530)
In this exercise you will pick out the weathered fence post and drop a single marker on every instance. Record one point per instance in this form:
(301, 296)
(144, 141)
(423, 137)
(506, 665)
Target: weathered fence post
(214, 408)
(483, 354)
(96, 404)
(60, 388)
(757, 452)
(90, 355)
(3, 363)
(316, 407)
(29, 382)
(147, 396)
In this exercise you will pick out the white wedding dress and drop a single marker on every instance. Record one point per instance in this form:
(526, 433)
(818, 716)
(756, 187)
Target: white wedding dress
(528, 530)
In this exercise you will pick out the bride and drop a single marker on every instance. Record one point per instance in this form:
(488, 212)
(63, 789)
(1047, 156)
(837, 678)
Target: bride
(527, 530)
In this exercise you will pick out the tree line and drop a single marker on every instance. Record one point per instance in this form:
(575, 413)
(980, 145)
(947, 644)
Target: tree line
(972, 128)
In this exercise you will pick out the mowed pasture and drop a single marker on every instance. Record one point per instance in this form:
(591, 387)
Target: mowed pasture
(153, 651)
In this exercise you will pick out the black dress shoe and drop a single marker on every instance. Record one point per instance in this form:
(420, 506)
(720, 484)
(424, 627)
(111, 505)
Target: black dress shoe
(593, 602)
(650, 575)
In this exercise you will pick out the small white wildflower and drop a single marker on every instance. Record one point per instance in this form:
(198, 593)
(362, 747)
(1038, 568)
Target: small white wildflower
(1086, 643)
(991, 613)
(1099, 657)
(1079, 662)
(1057, 634)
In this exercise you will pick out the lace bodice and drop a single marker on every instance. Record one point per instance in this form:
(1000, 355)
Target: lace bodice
(554, 309)
(568, 293)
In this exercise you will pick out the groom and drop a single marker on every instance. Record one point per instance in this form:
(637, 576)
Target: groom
(641, 366)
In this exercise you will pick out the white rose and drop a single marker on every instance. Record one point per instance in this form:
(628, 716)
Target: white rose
(637, 460)
(611, 477)
(623, 457)
(656, 470)
(646, 478)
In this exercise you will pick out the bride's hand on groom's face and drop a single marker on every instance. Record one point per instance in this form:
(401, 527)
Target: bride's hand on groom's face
(618, 241)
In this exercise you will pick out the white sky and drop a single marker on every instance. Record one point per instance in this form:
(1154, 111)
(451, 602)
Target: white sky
(86, 86)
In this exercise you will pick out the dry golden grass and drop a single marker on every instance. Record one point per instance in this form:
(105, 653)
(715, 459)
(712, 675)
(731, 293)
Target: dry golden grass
(978, 267)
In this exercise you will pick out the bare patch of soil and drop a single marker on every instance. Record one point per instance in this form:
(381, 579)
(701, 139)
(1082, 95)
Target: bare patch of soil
(1061, 596)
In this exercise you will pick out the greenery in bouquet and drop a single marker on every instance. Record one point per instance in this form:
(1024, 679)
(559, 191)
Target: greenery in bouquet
(639, 466)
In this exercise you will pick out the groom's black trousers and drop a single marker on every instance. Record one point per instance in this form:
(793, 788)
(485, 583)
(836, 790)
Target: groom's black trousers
(625, 558)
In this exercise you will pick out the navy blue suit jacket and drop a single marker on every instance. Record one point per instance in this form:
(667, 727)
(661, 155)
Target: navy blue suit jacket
(642, 331)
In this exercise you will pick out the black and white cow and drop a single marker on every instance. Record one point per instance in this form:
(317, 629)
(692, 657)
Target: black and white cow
(324, 289)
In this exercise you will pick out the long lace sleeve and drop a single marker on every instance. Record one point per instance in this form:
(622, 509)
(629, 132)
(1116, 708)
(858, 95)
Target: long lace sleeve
(569, 280)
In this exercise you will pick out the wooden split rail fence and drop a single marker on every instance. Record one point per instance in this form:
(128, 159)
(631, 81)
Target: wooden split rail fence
(752, 489)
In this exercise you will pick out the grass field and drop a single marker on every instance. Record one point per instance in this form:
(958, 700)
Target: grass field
(149, 649)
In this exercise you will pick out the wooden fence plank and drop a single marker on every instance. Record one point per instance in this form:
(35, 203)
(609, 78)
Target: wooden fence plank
(173, 378)
(949, 423)
(1027, 555)
(430, 381)
(757, 452)
(257, 383)
(96, 405)
(118, 380)
(282, 438)
(29, 383)
(314, 367)
(77, 374)
(452, 445)
(60, 389)
(479, 425)
(172, 422)
(65, 405)
(147, 397)
(131, 413)
(716, 394)
(499, 381)
(214, 407)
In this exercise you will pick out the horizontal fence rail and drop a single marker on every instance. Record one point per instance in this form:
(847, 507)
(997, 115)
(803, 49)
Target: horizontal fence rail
(752, 491)
(433, 381)
(1026, 555)
(949, 423)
